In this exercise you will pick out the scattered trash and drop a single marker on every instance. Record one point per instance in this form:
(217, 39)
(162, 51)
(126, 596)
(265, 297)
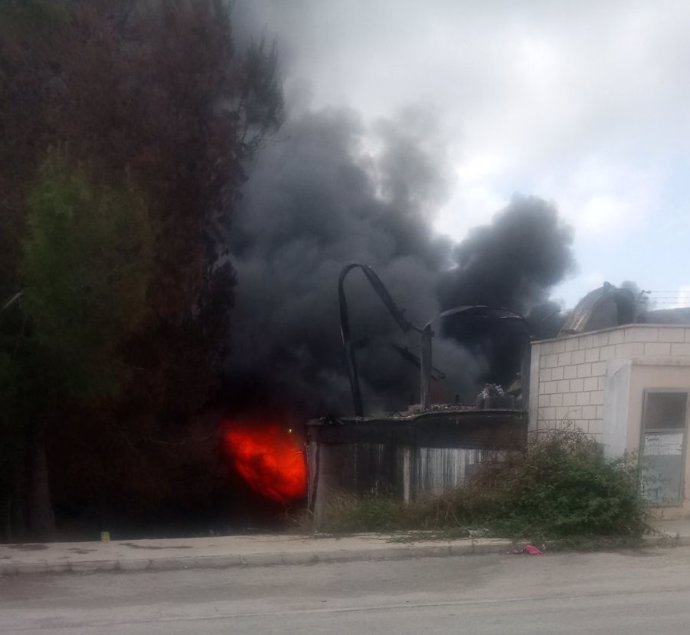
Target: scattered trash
(528, 550)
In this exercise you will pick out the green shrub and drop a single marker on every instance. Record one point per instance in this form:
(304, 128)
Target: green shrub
(564, 486)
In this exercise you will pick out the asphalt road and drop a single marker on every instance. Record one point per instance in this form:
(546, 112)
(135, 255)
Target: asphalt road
(633, 593)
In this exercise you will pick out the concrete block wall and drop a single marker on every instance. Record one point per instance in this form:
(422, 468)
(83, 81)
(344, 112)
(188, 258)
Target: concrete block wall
(568, 376)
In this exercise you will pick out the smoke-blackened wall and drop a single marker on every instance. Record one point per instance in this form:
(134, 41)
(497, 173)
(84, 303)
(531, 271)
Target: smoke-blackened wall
(332, 191)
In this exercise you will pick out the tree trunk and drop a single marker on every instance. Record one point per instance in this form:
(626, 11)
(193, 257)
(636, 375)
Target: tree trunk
(18, 499)
(41, 517)
(7, 534)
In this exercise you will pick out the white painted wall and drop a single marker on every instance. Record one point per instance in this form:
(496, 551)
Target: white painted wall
(581, 379)
(615, 423)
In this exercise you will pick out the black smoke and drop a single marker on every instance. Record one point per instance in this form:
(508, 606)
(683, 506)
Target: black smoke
(510, 263)
(332, 191)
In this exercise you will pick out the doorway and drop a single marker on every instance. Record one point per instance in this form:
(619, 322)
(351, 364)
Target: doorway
(662, 446)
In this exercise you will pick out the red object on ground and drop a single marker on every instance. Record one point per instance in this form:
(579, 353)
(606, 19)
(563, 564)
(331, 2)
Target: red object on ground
(529, 550)
(268, 457)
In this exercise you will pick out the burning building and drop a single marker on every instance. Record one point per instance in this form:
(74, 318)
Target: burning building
(428, 448)
(610, 372)
(321, 199)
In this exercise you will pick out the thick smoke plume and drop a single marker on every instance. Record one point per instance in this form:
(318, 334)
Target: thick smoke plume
(513, 262)
(331, 192)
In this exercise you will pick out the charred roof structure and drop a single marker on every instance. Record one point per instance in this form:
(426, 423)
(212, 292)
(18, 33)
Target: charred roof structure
(429, 448)
(602, 308)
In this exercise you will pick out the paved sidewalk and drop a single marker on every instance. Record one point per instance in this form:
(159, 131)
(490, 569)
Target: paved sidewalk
(226, 551)
(258, 550)
(676, 532)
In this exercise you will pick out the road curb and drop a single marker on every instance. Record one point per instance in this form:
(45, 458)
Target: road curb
(667, 540)
(389, 552)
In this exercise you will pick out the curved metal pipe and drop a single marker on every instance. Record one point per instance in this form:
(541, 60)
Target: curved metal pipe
(396, 312)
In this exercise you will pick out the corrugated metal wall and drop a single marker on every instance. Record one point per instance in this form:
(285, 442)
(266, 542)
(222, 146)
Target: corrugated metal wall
(417, 457)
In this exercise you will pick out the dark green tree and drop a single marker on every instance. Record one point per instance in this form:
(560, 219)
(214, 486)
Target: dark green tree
(152, 101)
(85, 273)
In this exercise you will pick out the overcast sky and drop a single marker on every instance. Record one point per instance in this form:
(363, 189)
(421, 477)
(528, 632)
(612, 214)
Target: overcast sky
(584, 103)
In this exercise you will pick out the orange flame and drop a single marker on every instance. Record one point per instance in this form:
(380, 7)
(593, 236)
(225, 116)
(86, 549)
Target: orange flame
(269, 458)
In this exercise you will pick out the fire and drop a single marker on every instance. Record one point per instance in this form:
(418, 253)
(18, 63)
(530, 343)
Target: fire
(269, 458)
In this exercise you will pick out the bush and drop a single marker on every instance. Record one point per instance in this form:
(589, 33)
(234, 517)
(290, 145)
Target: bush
(562, 487)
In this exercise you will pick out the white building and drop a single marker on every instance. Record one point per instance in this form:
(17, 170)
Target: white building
(628, 387)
